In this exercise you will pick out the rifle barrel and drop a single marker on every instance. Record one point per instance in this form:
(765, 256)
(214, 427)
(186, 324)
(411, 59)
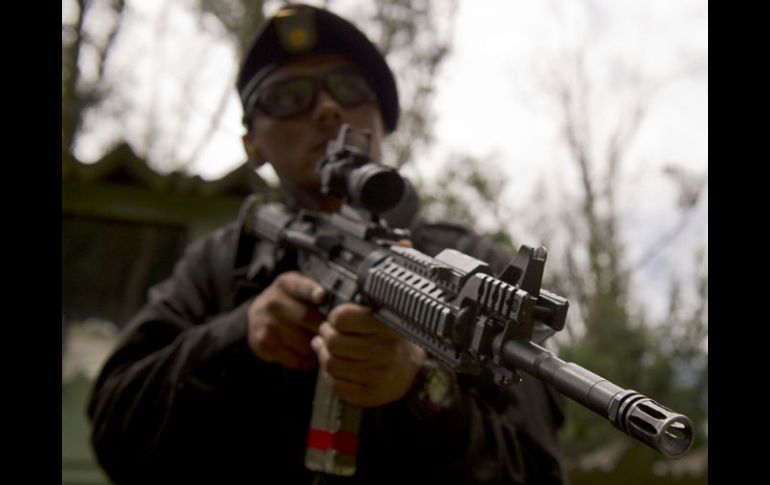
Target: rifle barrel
(638, 416)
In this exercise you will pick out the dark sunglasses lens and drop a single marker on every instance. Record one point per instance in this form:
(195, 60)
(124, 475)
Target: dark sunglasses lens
(287, 98)
(349, 89)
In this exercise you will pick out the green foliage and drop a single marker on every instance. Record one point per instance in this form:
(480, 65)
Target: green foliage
(79, 465)
(503, 240)
(468, 190)
(616, 352)
(667, 362)
(682, 359)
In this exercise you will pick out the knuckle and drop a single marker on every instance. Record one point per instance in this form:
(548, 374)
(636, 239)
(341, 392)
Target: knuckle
(332, 343)
(340, 318)
(285, 278)
(286, 281)
(293, 280)
(256, 330)
(323, 357)
(326, 331)
(265, 335)
(333, 315)
(265, 348)
(272, 305)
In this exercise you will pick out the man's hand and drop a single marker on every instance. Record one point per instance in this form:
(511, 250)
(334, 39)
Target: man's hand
(283, 319)
(363, 361)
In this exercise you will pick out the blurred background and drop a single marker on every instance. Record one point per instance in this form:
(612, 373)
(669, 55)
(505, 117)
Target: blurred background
(578, 125)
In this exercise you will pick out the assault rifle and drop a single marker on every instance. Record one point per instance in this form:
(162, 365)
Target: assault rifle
(451, 305)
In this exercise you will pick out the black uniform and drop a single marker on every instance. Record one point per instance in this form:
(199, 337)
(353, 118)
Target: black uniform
(182, 398)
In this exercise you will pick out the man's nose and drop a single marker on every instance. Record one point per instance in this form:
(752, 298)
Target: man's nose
(327, 111)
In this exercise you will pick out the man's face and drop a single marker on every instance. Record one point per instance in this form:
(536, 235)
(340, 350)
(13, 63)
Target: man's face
(293, 145)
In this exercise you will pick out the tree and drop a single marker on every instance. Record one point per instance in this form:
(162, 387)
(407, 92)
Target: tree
(611, 328)
(469, 191)
(416, 37)
(83, 88)
(105, 81)
(174, 114)
(618, 339)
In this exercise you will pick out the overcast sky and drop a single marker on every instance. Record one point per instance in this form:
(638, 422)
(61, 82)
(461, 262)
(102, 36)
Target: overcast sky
(490, 101)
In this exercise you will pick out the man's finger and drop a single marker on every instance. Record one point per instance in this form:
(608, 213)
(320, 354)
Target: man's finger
(289, 310)
(350, 318)
(297, 341)
(353, 347)
(301, 287)
(278, 353)
(352, 392)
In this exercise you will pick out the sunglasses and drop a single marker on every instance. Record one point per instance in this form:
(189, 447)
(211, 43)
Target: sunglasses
(296, 95)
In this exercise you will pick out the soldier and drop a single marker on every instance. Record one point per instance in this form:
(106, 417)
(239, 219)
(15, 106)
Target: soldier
(213, 379)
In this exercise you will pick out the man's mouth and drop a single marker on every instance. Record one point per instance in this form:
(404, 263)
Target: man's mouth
(320, 147)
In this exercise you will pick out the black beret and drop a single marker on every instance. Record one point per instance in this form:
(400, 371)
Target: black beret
(298, 30)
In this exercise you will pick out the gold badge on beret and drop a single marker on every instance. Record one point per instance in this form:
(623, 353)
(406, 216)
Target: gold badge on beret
(296, 29)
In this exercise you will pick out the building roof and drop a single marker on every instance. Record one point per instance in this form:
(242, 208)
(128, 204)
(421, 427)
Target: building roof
(121, 166)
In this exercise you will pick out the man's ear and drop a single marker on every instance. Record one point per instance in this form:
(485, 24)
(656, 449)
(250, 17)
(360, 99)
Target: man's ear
(256, 159)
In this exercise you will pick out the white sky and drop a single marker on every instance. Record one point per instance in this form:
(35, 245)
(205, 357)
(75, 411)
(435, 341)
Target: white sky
(489, 102)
